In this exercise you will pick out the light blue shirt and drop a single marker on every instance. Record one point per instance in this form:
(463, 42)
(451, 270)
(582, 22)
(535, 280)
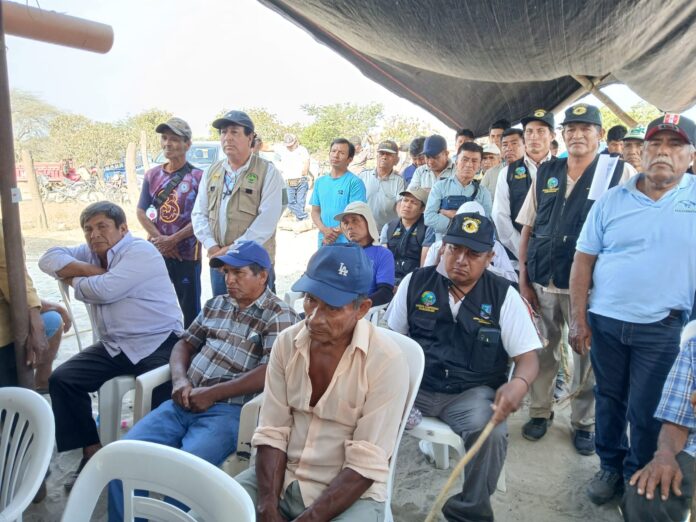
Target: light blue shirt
(646, 252)
(451, 187)
(333, 194)
(134, 302)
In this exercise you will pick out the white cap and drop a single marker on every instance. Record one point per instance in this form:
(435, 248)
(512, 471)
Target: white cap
(471, 207)
(491, 148)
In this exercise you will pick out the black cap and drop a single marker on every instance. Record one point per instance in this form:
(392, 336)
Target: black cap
(234, 118)
(471, 230)
(685, 127)
(616, 133)
(583, 113)
(541, 115)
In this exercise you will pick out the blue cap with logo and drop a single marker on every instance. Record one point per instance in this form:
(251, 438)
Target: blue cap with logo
(242, 254)
(337, 274)
(234, 118)
(434, 145)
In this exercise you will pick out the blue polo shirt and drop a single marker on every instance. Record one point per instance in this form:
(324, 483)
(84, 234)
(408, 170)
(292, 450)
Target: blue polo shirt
(333, 194)
(646, 252)
(382, 266)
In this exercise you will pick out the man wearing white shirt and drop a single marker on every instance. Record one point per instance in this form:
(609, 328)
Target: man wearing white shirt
(437, 164)
(240, 198)
(515, 179)
(295, 165)
(383, 184)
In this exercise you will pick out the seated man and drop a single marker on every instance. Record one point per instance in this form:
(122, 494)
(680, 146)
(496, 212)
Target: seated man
(407, 237)
(125, 282)
(670, 474)
(358, 225)
(218, 364)
(470, 323)
(335, 394)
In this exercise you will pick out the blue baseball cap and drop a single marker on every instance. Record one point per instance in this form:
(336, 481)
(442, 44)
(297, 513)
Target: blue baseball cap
(434, 145)
(234, 118)
(242, 254)
(337, 274)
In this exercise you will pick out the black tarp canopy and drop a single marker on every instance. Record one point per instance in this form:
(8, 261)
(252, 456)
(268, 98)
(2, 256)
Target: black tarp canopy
(470, 62)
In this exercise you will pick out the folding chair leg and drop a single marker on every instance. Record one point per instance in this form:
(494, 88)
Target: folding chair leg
(441, 454)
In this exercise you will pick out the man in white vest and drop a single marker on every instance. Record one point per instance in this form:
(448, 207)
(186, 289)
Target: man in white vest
(240, 197)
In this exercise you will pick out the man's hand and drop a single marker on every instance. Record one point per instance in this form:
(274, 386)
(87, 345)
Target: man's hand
(527, 291)
(181, 391)
(200, 399)
(580, 335)
(663, 470)
(508, 399)
(36, 346)
(215, 250)
(330, 234)
(65, 316)
(449, 214)
(167, 245)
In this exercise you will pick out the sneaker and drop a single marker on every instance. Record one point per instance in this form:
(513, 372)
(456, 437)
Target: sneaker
(584, 442)
(536, 427)
(72, 477)
(604, 486)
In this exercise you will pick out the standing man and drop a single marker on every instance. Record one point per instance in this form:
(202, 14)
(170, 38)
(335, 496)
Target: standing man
(125, 282)
(383, 184)
(241, 196)
(552, 215)
(634, 323)
(415, 150)
(463, 136)
(491, 157)
(495, 133)
(615, 137)
(437, 164)
(470, 323)
(448, 194)
(332, 193)
(164, 210)
(633, 147)
(407, 236)
(295, 163)
(516, 178)
(359, 160)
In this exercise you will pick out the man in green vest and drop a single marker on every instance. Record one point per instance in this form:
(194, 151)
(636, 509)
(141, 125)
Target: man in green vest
(240, 198)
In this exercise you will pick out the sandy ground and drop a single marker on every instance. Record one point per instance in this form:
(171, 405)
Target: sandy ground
(545, 480)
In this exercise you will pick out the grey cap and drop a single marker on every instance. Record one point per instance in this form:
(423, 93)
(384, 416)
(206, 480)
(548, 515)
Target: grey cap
(234, 118)
(177, 126)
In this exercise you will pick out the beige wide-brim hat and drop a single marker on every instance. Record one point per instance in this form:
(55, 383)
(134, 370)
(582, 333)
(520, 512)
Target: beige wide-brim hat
(360, 208)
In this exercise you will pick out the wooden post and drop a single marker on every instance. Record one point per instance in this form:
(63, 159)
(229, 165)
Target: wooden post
(143, 150)
(14, 249)
(37, 203)
(131, 178)
(606, 100)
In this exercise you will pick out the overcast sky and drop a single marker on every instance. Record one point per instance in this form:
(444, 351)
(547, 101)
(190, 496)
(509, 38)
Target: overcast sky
(195, 58)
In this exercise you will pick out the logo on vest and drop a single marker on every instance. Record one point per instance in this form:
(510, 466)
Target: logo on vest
(551, 185)
(396, 233)
(486, 310)
(427, 300)
(471, 225)
(343, 270)
(251, 178)
(520, 173)
(685, 205)
(579, 110)
(539, 113)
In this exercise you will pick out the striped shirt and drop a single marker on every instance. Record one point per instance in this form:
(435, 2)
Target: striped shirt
(231, 341)
(675, 405)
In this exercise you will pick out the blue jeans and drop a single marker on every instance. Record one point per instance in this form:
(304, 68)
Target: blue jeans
(211, 435)
(631, 362)
(297, 197)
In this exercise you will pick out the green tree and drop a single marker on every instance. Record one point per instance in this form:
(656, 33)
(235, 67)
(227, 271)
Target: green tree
(403, 129)
(87, 142)
(642, 112)
(338, 120)
(145, 121)
(31, 117)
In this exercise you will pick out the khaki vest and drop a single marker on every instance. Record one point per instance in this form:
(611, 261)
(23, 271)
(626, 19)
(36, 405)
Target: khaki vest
(243, 206)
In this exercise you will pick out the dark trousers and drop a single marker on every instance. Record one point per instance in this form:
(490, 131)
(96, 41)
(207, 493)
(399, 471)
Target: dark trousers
(637, 508)
(186, 278)
(631, 362)
(84, 373)
(297, 197)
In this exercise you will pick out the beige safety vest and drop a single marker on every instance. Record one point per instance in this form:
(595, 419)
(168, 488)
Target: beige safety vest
(243, 206)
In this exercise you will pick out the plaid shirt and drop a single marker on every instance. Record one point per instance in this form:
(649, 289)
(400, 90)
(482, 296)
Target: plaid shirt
(675, 405)
(231, 341)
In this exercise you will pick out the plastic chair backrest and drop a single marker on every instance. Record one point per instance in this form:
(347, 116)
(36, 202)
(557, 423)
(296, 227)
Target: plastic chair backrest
(65, 294)
(27, 432)
(208, 491)
(374, 314)
(416, 363)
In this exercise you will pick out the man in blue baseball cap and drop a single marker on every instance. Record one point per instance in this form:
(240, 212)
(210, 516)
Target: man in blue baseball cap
(240, 197)
(334, 396)
(218, 364)
(437, 166)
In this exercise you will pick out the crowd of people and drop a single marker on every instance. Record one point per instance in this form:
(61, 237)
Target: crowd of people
(494, 259)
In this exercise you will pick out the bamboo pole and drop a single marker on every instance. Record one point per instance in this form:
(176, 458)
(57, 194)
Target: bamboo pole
(51, 27)
(143, 150)
(131, 178)
(37, 203)
(9, 199)
(590, 87)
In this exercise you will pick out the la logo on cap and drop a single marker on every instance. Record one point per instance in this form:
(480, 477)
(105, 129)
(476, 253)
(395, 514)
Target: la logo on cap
(343, 270)
(672, 119)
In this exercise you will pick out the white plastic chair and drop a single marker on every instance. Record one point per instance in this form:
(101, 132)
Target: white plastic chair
(112, 392)
(209, 492)
(375, 314)
(27, 432)
(416, 362)
(248, 418)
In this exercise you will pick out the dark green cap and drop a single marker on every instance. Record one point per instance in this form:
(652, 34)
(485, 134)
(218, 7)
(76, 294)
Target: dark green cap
(583, 113)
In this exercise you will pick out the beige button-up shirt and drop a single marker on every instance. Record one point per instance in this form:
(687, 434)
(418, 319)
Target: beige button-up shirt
(353, 425)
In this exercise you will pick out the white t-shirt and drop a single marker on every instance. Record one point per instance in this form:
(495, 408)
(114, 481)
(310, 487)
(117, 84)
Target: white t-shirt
(517, 329)
(292, 162)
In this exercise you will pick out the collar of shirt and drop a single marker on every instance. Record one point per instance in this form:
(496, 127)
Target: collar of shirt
(259, 302)
(391, 175)
(631, 185)
(530, 162)
(360, 340)
(114, 250)
(228, 168)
